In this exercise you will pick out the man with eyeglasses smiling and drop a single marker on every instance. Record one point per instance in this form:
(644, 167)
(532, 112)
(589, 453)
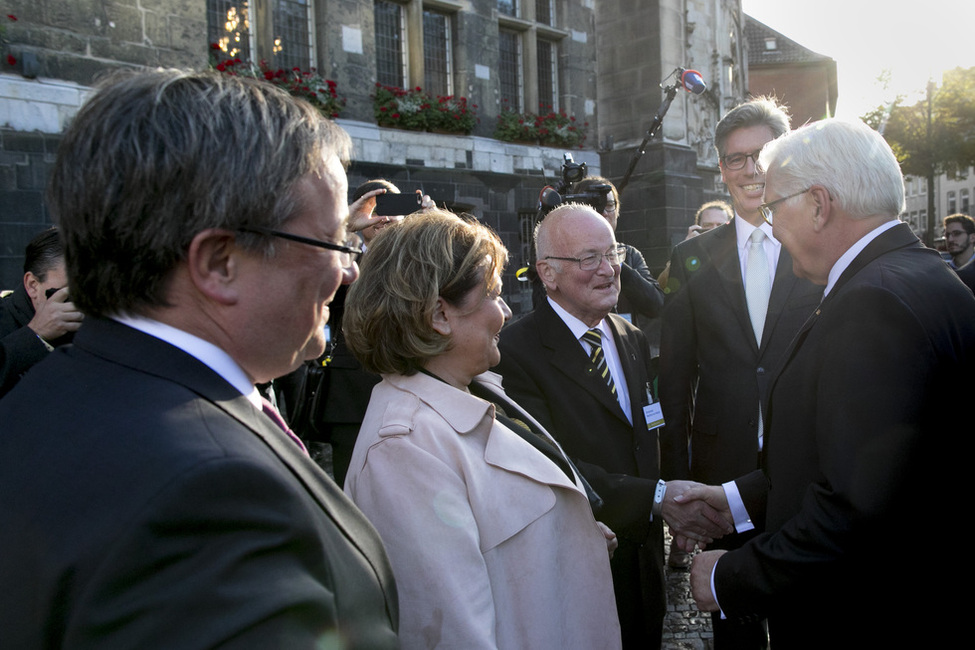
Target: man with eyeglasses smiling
(733, 305)
(583, 372)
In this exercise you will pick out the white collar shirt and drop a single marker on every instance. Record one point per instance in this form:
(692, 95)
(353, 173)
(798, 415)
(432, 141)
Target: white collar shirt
(612, 355)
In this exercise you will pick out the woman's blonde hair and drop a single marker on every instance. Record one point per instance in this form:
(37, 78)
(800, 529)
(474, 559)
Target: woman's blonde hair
(388, 320)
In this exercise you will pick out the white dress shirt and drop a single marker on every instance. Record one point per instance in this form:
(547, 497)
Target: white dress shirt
(612, 355)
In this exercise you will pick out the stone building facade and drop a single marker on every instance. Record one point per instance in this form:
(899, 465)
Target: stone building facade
(602, 62)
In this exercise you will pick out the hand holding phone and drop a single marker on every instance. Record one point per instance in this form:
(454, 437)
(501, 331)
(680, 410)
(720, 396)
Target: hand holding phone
(396, 205)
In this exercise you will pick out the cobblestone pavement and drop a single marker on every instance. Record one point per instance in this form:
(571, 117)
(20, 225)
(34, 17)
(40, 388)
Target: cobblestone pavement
(685, 628)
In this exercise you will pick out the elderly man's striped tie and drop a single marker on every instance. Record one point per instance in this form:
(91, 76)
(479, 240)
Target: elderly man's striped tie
(595, 340)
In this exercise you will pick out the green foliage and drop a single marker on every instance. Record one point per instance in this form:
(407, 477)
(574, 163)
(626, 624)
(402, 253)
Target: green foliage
(935, 135)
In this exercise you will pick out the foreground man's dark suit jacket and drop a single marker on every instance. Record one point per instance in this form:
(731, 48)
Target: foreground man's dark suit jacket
(546, 371)
(147, 504)
(868, 418)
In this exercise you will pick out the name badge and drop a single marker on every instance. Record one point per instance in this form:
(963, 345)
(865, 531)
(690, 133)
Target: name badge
(654, 416)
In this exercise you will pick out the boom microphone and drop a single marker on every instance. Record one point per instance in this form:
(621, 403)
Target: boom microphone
(693, 82)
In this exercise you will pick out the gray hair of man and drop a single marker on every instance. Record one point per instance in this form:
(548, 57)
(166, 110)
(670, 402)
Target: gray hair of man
(851, 160)
(761, 111)
(546, 231)
(156, 157)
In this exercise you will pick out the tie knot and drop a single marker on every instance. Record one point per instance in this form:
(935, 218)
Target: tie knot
(593, 337)
(757, 236)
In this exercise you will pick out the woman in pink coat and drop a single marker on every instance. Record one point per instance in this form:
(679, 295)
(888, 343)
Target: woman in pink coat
(487, 524)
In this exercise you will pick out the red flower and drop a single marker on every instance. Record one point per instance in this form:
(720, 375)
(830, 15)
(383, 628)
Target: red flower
(395, 116)
(214, 46)
(221, 67)
(12, 17)
(11, 60)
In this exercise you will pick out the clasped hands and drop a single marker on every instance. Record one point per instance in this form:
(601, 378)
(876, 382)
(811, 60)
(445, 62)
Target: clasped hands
(697, 514)
(693, 507)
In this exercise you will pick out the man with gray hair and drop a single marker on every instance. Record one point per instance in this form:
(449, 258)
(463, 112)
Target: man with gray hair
(858, 412)
(150, 497)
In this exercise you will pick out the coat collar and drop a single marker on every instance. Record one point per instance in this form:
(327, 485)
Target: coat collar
(467, 414)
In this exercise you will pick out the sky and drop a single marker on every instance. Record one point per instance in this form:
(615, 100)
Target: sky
(914, 41)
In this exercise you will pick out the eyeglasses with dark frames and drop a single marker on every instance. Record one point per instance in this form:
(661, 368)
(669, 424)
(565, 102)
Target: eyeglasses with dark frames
(768, 212)
(350, 249)
(591, 262)
(736, 161)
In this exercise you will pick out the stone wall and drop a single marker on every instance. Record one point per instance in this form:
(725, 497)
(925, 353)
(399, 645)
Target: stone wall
(80, 39)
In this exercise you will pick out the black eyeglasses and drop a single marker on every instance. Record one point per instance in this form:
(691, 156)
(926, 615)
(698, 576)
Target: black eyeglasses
(591, 262)
(736, 161)
(768, 212)
(350, 249)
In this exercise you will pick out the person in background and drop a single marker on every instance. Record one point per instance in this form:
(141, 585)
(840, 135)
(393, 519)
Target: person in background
(959, 239)
(149, 497)
(37, 316)
(708, 217)
(641, 299)
(487, 523)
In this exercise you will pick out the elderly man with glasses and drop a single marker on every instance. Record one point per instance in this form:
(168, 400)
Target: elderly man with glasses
(583, 373)
(733, 305)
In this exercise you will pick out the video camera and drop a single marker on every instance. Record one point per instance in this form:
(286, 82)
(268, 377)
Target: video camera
(550, 197)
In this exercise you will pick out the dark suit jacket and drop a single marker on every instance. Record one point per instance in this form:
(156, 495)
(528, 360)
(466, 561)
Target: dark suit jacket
(547, 373)
(868, 418)
(20, 347)
(967, 275)
(712, 372)
(147, 504)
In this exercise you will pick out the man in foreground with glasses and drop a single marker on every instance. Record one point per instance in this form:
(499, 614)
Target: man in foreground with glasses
(583, 373)
(160, 502)
(733, 305)
(859, 411)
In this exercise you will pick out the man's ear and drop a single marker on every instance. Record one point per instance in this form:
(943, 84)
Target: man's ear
(441, 319)
(32, 285)
(213, 264)
(547, 274)
(824, 207)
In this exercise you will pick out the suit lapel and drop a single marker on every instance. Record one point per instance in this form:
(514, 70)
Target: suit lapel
(785, 280)
(568, 357)
(636, 377)
(723, 250)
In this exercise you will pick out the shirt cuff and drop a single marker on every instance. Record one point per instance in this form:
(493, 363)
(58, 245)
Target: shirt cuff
(743, 521)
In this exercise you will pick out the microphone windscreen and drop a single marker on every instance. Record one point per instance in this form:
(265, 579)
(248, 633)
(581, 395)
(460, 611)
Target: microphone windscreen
(693, 82)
